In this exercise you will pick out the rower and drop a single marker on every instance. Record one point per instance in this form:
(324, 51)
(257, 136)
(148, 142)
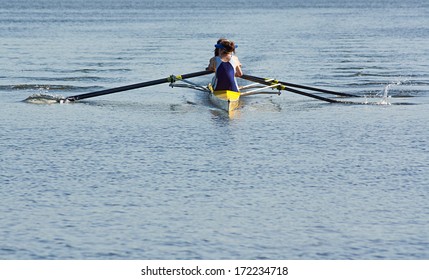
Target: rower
(226, 65)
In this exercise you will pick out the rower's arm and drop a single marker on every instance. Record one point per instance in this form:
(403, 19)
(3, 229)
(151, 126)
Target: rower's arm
(212, 65)
(238, 71)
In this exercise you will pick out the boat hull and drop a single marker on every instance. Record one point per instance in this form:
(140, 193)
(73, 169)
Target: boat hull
(225, 99)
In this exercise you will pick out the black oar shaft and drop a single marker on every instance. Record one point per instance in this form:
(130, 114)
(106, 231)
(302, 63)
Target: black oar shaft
(270, 83)
(318, 89)
(114, 90)
(312, 95)
(134, 86)
(314, 89)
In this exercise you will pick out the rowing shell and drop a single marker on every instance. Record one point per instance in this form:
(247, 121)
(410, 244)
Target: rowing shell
(225, 99)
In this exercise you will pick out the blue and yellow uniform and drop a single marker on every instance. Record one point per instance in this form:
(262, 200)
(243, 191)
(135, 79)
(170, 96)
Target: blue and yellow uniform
(224, 78)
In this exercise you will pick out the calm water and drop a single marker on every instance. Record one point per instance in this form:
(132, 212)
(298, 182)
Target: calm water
(159, 173)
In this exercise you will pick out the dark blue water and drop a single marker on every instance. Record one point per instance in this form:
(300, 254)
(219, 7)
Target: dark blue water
(159, 173)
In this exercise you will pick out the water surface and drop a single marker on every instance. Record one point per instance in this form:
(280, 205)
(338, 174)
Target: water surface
(159, 173)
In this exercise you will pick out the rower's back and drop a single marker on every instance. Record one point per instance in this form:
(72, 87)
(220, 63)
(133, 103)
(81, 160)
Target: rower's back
(225, 74)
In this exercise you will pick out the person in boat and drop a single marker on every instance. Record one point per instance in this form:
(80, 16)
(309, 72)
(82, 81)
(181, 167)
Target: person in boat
(226, 66)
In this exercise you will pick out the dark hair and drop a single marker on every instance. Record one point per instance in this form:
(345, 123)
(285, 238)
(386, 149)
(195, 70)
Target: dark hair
(224, 45)
(228, 46)
(216, 51)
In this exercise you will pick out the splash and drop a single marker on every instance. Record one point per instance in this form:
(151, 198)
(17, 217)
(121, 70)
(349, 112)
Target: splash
(385, 97)
(43, 97)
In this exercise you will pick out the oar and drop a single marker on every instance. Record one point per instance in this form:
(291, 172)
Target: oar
(315, 89)
(318, 89)
(134, 86)
(269, 82)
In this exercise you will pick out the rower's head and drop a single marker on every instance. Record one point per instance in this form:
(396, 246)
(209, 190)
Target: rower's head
(216, 51)
(224, 46)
